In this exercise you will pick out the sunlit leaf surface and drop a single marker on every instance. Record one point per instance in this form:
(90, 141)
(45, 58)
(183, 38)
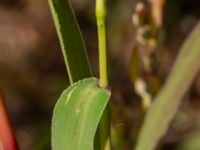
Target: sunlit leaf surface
(77, 114)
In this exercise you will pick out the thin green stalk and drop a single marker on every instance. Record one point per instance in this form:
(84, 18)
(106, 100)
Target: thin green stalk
(103, 132)
(100, 15)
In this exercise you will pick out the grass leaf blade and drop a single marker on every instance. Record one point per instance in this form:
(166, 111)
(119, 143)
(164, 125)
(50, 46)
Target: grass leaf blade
(77, 114)
(71, 40)
(167, 102)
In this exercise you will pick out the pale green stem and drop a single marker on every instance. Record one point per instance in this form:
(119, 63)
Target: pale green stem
(103, 133)
(100, 14)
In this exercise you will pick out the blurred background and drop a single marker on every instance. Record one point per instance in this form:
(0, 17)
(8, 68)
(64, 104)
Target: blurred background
(144, 38)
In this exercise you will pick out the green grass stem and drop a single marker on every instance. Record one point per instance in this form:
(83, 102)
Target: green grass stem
(100, 15)
(103, 132)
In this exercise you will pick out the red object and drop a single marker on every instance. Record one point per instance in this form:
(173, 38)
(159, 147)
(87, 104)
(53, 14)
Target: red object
(7, 138)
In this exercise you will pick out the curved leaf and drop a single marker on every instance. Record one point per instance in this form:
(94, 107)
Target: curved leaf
(167, 102)
(77, 114)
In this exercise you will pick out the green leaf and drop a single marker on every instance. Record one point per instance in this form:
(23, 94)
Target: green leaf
(77, 114)
(191, 142)
(71, 41)
(167, 102)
